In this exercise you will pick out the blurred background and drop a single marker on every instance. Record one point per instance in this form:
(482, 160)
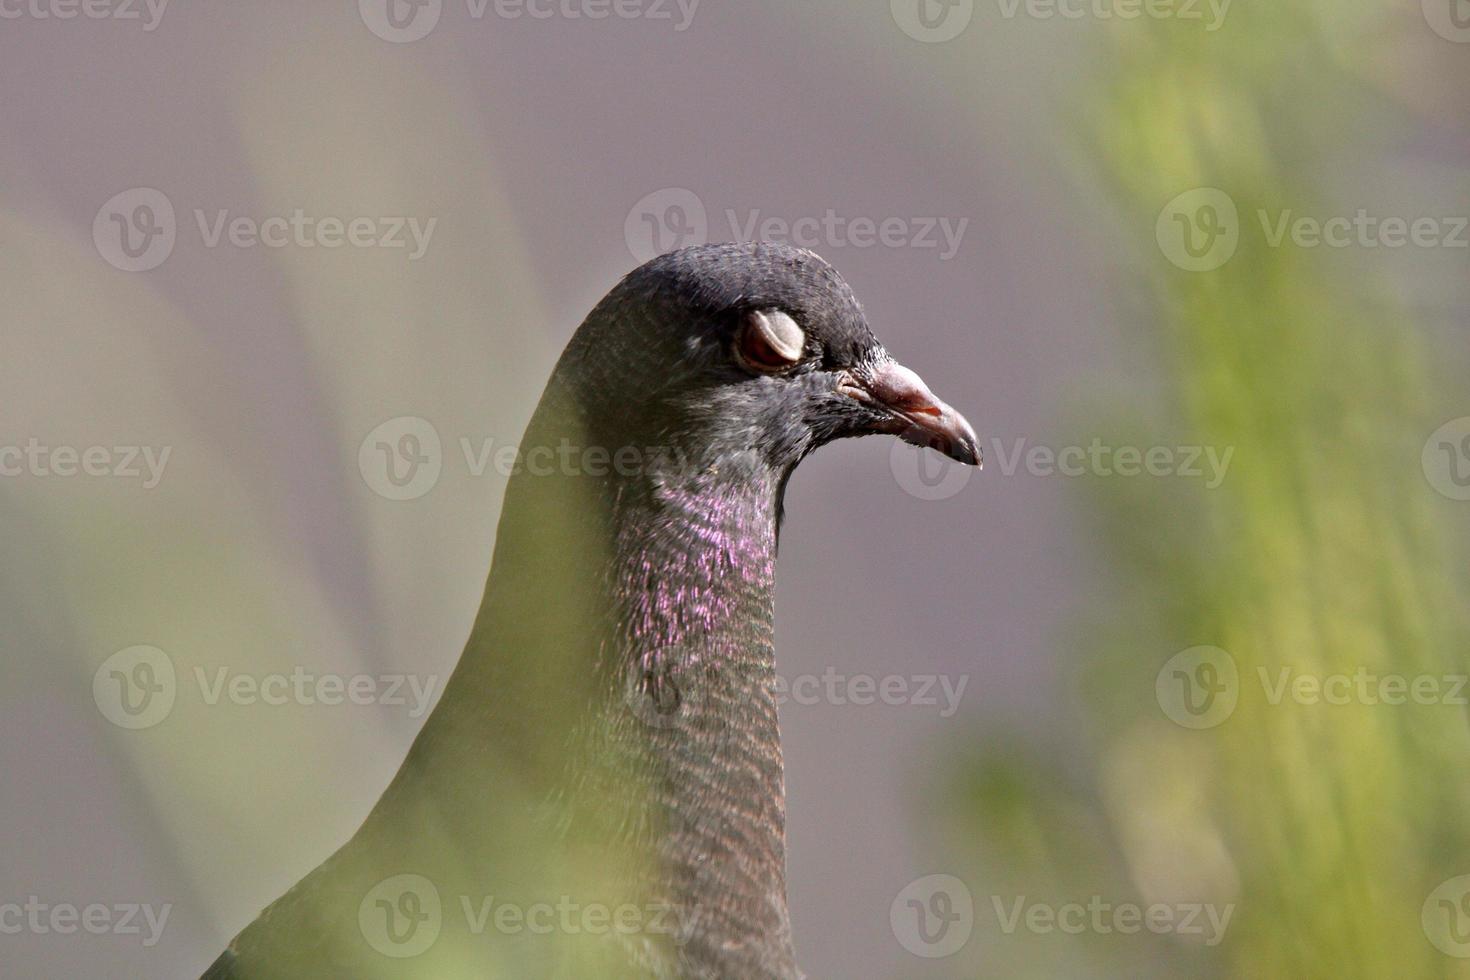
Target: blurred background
(1176, 684)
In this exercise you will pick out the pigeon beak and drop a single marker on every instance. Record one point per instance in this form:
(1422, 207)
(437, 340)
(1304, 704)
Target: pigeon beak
(917, 416)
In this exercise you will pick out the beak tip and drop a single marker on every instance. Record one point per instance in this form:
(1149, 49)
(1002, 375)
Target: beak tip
(953, 438)
(972, 455)
(972, 450)
(966, 449)
(963, 446)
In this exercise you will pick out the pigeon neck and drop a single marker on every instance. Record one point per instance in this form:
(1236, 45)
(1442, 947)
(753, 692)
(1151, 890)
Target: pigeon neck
(622, 669)
(694, 566)
(693, 580)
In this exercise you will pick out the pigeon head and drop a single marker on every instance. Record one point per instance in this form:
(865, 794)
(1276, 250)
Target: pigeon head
(611, 731)
(754, 352)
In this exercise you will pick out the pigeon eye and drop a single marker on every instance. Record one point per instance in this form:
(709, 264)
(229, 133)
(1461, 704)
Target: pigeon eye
(769, 341)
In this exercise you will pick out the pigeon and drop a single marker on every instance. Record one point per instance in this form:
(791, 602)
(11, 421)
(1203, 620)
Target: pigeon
(599, 791)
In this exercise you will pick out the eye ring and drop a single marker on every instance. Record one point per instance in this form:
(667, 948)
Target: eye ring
(769, 342)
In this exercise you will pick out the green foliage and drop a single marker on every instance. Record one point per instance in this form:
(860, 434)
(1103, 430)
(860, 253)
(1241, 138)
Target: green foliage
(1323, 552)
